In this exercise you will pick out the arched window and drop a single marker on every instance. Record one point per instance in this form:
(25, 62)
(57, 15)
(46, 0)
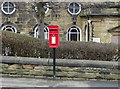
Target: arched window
(74, 8)
(9, 28)
(89, 31)
(8, 7)
(45, 31)
(74, 34)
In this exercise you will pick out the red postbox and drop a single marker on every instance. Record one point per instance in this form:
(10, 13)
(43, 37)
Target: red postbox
(53, 36)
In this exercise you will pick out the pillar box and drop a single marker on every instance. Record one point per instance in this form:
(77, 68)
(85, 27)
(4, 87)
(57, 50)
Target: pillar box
(54, 36)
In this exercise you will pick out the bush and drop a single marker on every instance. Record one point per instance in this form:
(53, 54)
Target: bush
(22, 45)
(86, 50)
(27, 46)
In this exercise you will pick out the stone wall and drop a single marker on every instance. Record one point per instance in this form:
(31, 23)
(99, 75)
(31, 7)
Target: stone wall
(65, 69)
(24, 19)
(101, 27)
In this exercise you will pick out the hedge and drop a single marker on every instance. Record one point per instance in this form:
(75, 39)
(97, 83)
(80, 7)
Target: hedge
(26, 46)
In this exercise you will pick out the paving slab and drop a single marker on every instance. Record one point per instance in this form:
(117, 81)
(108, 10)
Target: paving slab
(28, 82)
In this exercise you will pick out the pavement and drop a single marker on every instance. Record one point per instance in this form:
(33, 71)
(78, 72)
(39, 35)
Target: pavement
(28, 82)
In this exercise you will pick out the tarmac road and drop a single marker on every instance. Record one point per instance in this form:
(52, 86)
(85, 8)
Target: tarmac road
(27, 82)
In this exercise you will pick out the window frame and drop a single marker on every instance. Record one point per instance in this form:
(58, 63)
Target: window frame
(5, 27)
(46, 29)
(73, 13)
(5, 12)
(78, 33)
(86, 33)
(47, 9)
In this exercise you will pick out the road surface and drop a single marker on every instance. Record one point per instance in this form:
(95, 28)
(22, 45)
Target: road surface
(27, 82)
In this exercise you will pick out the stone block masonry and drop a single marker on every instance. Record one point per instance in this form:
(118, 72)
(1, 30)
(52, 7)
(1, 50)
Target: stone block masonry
(66, 69)
(104, 16)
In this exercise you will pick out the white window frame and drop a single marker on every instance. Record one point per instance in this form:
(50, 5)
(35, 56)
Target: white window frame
(47, 9)
(12, 28)
(68, 35)
(86, 30)
(45, 32)
(86, 34)
(73, 13)
(2, 8)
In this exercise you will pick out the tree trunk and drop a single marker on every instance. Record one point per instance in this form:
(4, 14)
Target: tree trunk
(41, 13)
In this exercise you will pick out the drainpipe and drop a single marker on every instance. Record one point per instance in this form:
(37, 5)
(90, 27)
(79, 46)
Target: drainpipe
(92, 32)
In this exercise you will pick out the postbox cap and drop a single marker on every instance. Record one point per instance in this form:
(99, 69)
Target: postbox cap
(53, 27)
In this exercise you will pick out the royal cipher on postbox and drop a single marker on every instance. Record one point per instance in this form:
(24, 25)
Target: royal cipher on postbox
(54, 41)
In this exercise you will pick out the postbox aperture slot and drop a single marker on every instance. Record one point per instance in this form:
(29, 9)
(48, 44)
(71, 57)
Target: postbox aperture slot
(53, 29)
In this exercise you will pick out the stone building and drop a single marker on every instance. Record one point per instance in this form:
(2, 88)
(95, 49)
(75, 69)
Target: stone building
(77, 21)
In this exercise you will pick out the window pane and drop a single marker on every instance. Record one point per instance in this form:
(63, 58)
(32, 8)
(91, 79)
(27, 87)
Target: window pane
(6, 9)
(76, 10)
(5, 4)
(11, 5)
(71, 10)
(73, 34)
(76, 6)
(71, 5)
(73, 30)
(8, 29)
(10, 10)
(73, 37)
